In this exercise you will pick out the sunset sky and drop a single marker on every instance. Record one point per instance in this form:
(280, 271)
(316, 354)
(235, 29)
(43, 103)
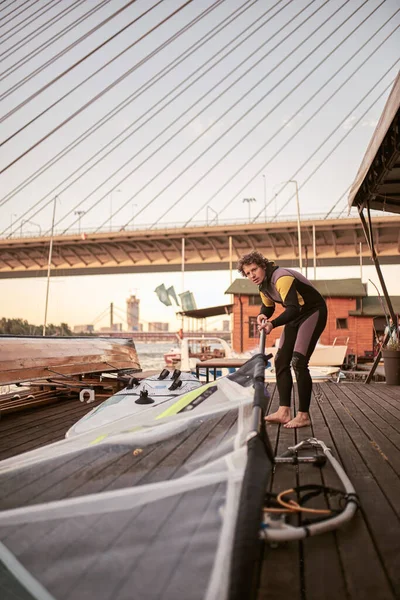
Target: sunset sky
(175, 113)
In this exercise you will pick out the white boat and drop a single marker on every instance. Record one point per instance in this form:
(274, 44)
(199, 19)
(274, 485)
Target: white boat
(195, 349)
(333, 355)
(317, 374)
(173, 356)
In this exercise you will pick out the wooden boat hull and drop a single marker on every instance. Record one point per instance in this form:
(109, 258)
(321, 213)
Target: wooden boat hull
(29, 358)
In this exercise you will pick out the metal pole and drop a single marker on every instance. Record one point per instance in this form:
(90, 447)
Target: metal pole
(265, 198)
(230, 259)
(111, 315)
(183, 265)
(361, 261)
(183, 276)
(314, 245)
(49, 267)
(79, 213)
(298, 224)
(230, 281)
(367, 228)
(306, 259)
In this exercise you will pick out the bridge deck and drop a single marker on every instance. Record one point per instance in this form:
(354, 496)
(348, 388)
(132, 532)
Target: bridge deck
(360, 423)
(337, 242)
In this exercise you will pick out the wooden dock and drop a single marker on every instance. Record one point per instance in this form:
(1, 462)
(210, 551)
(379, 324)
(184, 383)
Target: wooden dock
(360, 423)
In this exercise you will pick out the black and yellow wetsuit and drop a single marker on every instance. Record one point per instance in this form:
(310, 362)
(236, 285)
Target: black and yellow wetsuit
(304, 319)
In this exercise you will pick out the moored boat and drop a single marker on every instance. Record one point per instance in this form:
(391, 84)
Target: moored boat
(324, 355)
(197, 348)
(27, 358)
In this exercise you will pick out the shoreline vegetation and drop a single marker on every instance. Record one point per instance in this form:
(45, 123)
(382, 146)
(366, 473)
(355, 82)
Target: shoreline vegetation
(22, 327)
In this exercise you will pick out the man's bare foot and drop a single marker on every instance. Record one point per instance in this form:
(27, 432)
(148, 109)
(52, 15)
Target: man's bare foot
(302, 419)
(282, 415)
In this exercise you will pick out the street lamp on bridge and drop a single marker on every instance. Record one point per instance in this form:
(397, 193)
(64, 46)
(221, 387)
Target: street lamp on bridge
(80, 214)
(284, 183)
(265, 198)
(298, 222)
(12, 223)
(249, 201)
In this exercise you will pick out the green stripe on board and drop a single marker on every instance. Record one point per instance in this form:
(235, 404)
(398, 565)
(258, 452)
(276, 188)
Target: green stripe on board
(184, 401)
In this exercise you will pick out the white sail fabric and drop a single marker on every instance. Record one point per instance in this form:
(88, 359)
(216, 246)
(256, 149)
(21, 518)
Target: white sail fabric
(143, 507)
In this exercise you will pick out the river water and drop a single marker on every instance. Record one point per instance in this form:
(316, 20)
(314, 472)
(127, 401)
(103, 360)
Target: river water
(151, 354)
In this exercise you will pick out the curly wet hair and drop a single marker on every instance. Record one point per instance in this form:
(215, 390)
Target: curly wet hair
(253, 257)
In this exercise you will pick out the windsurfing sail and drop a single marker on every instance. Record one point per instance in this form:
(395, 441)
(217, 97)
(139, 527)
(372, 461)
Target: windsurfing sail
(163, 503)
(141, 507)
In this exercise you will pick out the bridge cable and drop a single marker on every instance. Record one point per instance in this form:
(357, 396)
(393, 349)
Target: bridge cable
(14, 10)
(208, 128)
(33, 53)
(86, 80)
(137, 192)
(100, 316)
(93, 128)
(260, 121)
(338, 201)
(298, 111)
(238, 120)
(350, 130)
(248, 132)
(170, 124)
(49, 42)
(97, 96)
(173, 37)
(335, 128)
(9, 5)
(72, 67)
(32, 20)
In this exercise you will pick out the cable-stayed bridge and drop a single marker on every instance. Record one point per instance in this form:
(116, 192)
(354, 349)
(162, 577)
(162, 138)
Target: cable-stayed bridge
(176, 109)
(333, 242)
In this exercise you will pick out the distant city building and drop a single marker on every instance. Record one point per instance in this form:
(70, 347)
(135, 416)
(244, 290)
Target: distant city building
(155, 326)
(83, 328)
(132, 313)
(226, 325)
(115, 328)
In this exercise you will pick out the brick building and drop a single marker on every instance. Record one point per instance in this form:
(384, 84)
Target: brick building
(352, 315)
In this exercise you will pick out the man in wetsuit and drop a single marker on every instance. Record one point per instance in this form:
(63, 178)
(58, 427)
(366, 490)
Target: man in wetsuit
(304, 319)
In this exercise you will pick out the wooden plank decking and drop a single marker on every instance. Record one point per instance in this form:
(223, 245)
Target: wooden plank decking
(361, 423)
